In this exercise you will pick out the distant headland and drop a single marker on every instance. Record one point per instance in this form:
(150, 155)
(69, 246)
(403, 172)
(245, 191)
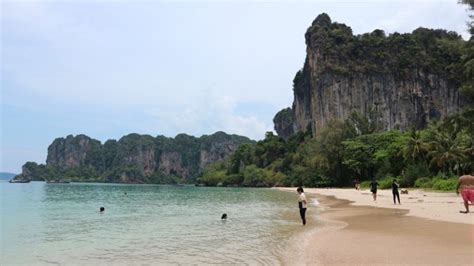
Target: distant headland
(133, 158)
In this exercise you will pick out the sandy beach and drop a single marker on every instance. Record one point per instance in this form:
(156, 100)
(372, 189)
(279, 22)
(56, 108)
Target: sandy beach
(427, 229)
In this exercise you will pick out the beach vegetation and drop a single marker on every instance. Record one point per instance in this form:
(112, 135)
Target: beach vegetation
(345, 151)
(444, 184)
(423, 182)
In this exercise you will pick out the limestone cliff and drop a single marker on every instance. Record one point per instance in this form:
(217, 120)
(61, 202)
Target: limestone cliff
(406, 79)
(72, 151)
(284, 122)
(137, 151)
(216, 148)
(132, 159)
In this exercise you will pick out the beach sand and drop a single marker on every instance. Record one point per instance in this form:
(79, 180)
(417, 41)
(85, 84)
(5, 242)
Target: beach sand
(360, 232)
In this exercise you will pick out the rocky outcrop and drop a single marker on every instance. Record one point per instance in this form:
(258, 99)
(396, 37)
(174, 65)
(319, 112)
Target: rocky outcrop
(27, 173)
(132, 159)
(31, 171)
(71, 151)
(284, 123)
(137, 151)
(407, 80)
(217, 147)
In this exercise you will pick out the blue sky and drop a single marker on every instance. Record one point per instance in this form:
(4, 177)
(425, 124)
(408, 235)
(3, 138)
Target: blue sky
(109, 68)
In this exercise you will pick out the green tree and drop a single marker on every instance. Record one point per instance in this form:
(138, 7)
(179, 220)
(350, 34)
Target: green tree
(446, 146)
(358, 156)
(331, 150)
(253, 177)
(415, 148)
(214, 174)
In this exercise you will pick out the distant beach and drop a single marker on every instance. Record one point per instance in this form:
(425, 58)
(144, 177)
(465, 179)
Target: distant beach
(353, 229)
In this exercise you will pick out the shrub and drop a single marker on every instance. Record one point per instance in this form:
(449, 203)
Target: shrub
(423, 182)
(385, 182)
(214, 177)
(253, 176)
(413, 172)
(365, 184)
(280, 177)
(233, 180)
(445, 184)
(442, 175)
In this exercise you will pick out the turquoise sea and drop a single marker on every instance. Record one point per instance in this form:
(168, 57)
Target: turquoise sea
(144, 224)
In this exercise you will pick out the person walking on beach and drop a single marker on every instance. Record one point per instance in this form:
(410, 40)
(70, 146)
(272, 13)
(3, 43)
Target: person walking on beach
(395, 193)
(373, 188)
(466, 184)
(302, 204)
(357, 184)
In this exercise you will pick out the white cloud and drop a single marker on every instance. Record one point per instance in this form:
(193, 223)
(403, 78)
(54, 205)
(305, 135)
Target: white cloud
(426, 14)
(206, 115)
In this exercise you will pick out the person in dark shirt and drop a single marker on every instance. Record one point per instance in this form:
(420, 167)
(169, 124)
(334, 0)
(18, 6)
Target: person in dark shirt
(373, 188)
(395, 193)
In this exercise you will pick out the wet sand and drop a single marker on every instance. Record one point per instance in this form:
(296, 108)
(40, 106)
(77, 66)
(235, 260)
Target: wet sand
(358, 235)
(440, 206)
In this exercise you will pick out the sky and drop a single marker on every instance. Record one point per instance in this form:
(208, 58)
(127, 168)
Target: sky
(110, 68)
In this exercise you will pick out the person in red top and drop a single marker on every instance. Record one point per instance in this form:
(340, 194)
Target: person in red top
(466, 184)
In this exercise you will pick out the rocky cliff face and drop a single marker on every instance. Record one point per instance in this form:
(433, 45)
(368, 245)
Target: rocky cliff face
(284, 122)
(172, 164)
(137, 151)
(71, 151)
(133, 159)
(407, 80)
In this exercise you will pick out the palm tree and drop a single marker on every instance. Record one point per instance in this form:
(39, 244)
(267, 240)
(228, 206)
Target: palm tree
(446, 149)
(415, 148)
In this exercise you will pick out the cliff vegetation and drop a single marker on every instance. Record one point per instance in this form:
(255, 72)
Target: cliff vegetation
(351, 150)
(132, 159)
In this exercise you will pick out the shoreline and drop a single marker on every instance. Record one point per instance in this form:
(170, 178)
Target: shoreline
(352, 232)
(438, 206)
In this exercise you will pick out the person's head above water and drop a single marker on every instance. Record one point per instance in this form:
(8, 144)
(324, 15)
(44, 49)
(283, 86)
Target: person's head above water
(299, 190)
(224, 216)
(102, 209)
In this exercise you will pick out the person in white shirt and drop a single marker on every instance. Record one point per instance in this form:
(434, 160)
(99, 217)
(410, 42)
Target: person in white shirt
(302, 204)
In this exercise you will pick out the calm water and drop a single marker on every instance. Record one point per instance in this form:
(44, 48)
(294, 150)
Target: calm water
(61, 224)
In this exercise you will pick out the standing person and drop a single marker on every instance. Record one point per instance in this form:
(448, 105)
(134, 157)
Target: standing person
(373, 188)
(395, 193)
(466, 184)
(302, 204)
